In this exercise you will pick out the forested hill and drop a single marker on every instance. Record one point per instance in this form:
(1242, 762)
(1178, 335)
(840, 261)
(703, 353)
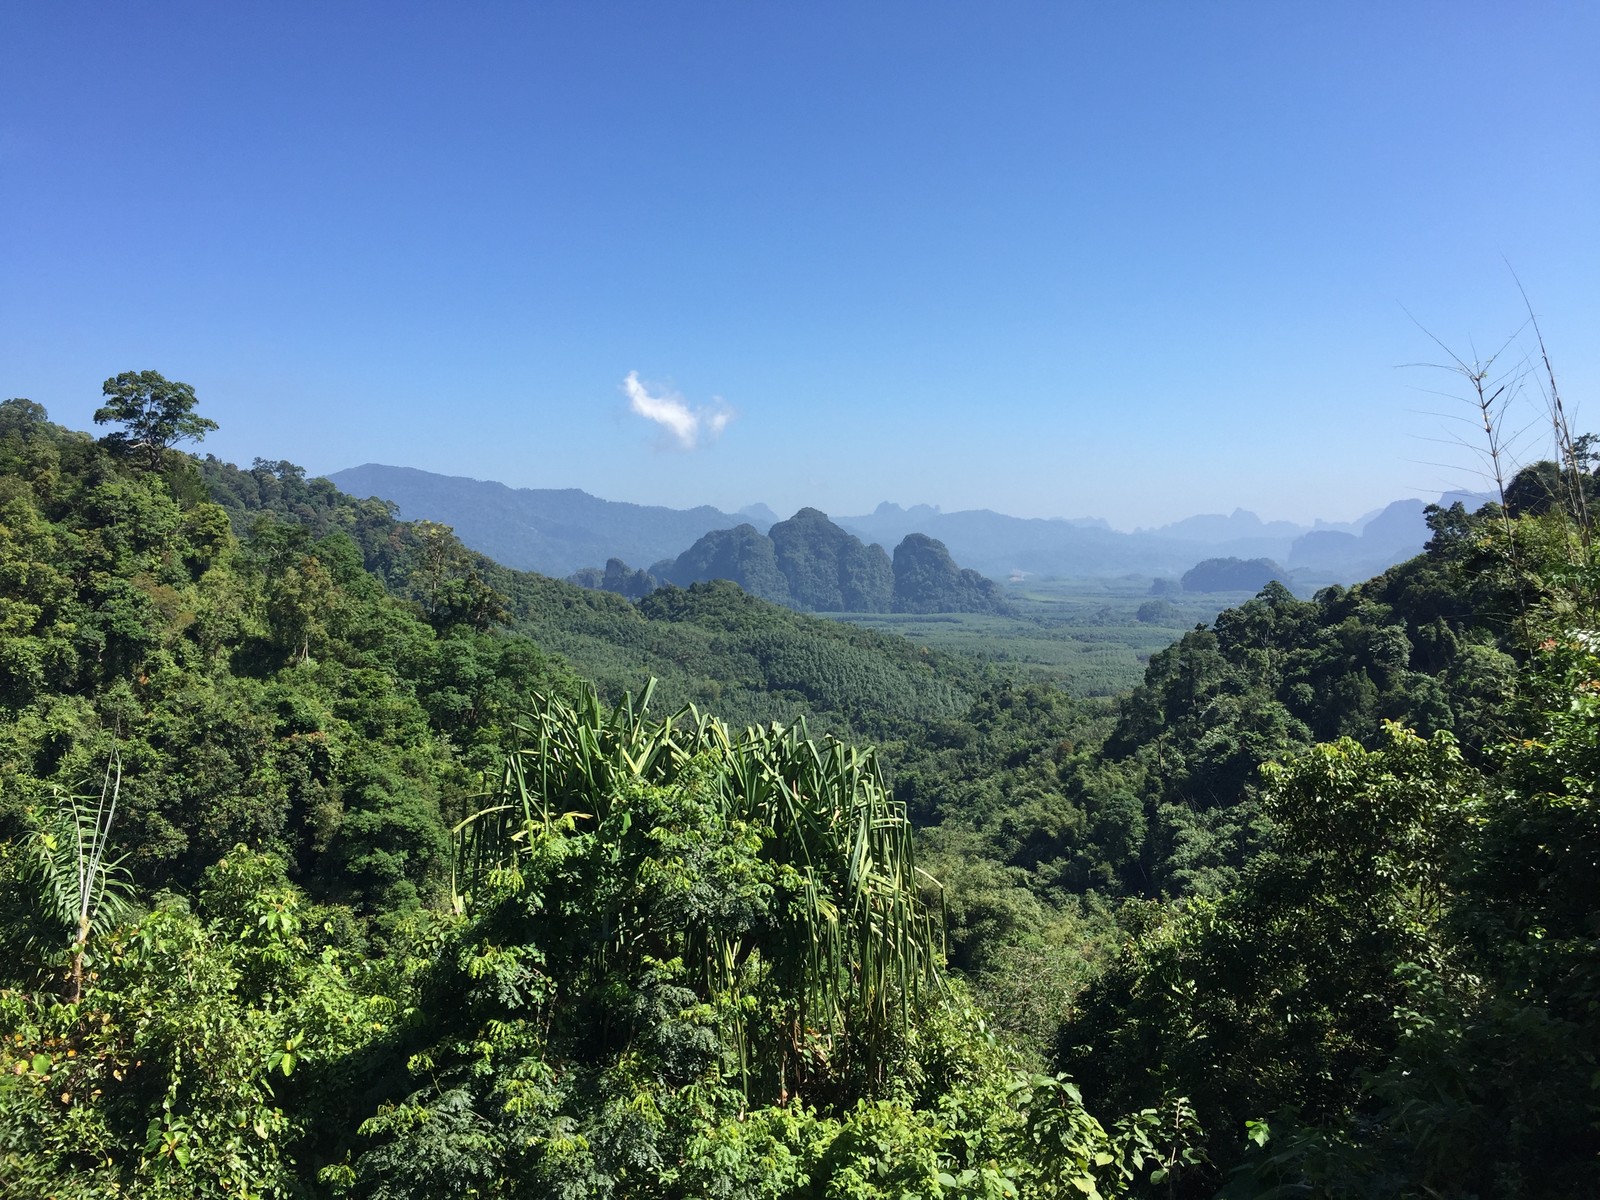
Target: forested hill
(710, 644)
(264, 689)
(809, 563)
(1347, 949)
(323, 874)
(1163, 796)
(284, 665)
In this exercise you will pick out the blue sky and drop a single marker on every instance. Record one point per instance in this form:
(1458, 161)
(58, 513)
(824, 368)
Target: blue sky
(1126, 260)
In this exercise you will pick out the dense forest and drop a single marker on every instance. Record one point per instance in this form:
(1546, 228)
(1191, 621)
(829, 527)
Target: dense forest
(338, 860)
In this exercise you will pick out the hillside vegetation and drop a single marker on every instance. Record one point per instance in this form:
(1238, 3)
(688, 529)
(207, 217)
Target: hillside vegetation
(337, 860)
(709, 644)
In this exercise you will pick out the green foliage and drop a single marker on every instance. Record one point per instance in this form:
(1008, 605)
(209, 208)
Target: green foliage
(691, 968)
(1282, 994)
(260, 686)
(156, 413)
(1489, 1089)
(755, 663)
(71, 884)
(202, 1059)
(844, 946)
(1270, 678)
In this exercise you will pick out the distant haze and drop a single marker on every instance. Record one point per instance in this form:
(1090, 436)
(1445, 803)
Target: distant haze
(562, 531)
(1128, 261)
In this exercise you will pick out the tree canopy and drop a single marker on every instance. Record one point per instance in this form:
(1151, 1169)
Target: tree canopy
(156, 413)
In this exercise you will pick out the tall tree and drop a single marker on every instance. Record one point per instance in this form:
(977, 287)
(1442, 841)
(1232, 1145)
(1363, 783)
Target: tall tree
(157, 413)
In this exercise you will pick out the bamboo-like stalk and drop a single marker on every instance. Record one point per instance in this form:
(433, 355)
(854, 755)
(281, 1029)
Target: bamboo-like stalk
(78, 887)
(1490, 400)
(855, 946)
(1570, 469)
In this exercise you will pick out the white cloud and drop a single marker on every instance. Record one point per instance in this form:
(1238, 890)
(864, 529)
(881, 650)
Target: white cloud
(669, 410)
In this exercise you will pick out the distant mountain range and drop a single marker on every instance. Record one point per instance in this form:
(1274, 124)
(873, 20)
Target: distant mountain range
(1002, 546)
(562, 531)
(552, 531)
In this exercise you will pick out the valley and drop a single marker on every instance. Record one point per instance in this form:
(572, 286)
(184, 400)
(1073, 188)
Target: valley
(1090, 637)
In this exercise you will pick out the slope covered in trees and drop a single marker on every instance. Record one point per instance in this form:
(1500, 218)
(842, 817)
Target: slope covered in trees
(927, 580)
(1231, 575)
(265, 689)
(809, 563)
(312, 985)
(395, 905)
(742, 555)
(708, 644)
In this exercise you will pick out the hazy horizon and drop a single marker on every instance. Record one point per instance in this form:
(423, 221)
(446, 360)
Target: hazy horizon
(1129, 262)
(783, 513)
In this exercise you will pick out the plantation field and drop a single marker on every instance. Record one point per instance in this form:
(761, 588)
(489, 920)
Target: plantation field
(1085, 635)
